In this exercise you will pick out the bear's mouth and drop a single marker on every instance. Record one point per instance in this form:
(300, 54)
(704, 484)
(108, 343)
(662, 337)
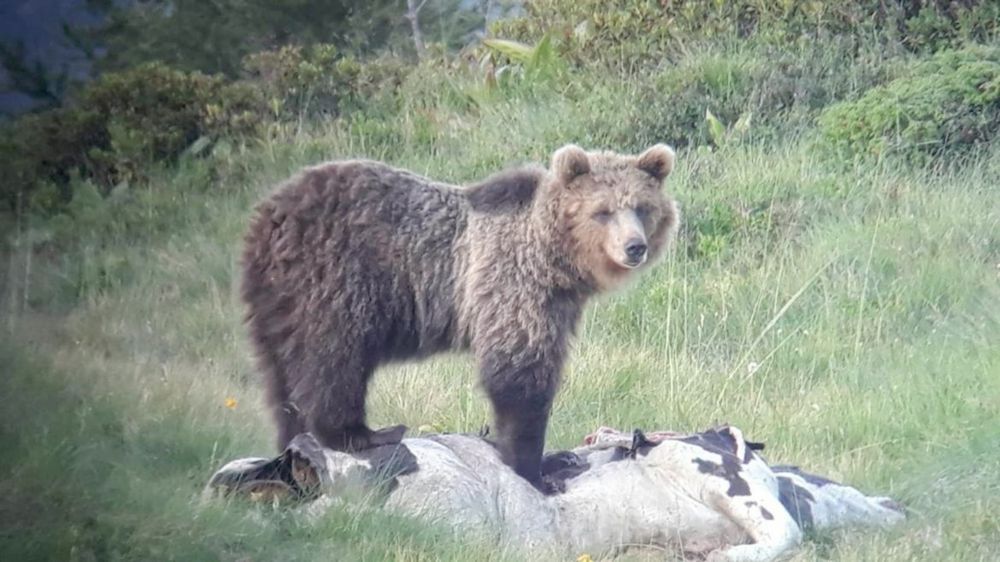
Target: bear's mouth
(624, 266)
(630, 263)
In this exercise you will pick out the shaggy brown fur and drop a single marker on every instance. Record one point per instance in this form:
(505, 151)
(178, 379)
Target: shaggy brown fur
(353, 264)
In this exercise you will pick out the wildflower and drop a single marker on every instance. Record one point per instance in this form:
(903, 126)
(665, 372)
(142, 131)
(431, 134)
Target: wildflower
(584, 558)
(230, 403)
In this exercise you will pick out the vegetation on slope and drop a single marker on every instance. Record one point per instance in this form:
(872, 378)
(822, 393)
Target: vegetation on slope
(840, 306)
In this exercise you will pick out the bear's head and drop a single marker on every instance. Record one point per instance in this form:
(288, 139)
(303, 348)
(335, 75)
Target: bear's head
(611, 210)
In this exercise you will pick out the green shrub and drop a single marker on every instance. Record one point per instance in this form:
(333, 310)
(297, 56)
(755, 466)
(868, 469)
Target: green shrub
(950, 101)
(153, 112)
(676, 104)
(320, 80)
(231, 110)
(122, 122)
(938, 24)
(752, 82)
(39, 152)
(117, 125)
(712, 230)
(644, 31)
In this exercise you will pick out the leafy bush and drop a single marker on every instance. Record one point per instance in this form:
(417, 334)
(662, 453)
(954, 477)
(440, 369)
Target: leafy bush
(118, 124)
(153, 112)
(938, 24)
(122, 122)
(39, 152)
(949, 101)
(319, 79)
(675, 106)
(752, 82)
(637, 31)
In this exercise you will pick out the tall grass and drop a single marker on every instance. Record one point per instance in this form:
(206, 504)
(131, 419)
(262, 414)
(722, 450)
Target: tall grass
(845, 314)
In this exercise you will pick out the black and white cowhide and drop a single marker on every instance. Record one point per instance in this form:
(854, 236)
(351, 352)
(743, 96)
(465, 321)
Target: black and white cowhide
(707, 494)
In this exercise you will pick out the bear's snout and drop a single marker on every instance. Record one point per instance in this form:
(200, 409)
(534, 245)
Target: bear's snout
(635, 252)
(626, 243)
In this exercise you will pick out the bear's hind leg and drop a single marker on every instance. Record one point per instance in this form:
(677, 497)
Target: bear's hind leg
(335, 405)
(287, 416)
(289, 422)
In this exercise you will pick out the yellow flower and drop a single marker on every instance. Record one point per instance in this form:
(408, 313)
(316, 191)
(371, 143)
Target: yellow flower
(230, 403)
(584, 558)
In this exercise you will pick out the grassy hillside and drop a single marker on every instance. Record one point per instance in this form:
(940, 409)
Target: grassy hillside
(842, 308)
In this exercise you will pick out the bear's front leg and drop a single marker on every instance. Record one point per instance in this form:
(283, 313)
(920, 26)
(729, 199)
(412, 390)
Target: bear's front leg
(521, 393)
(520, 438)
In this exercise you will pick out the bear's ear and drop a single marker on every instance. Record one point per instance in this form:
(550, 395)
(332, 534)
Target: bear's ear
(570, 162)
(657, 161)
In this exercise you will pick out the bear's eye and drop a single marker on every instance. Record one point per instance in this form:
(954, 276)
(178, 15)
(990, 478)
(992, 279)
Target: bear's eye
(603, 215)
(642, 211)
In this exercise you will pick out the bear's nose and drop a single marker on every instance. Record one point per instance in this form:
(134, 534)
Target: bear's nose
(635, 250)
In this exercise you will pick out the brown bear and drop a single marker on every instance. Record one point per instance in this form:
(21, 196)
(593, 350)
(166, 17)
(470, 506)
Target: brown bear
(353, 264)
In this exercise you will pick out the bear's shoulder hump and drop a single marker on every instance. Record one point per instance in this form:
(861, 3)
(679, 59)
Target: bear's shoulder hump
(507, 191)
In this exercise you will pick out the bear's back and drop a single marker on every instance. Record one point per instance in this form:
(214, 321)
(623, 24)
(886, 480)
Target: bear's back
(368, 243)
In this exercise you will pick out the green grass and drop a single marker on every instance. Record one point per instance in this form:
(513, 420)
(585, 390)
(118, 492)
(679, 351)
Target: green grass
(845, 314)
